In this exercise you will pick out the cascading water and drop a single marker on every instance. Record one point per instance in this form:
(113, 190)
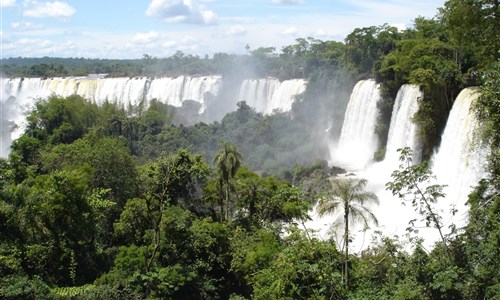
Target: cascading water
(460, 161)
(266, 95)
(7, 124)
(402, 131)
(284, 95)
(15, 103)
(19, 94)
(122, 90)
(394, 217)
(175, 90)
(257, 92)
(358, 142)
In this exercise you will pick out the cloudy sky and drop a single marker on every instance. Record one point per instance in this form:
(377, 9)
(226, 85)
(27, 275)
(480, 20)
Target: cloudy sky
(131, 28)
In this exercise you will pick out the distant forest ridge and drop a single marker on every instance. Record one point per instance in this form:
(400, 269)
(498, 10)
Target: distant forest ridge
(257, 63)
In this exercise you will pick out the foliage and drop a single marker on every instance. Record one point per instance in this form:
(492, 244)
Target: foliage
(366, 46)
(488, 112)
(413, 183)
(72, 292)
(472, 29)
(227, 162)
(348, 196)
(481, 238)
(303, 269)
(22, 287)
(425, 58)
(385, 270)
(108, 202)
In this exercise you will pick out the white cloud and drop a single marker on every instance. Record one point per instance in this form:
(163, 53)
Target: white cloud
(400, 26)
(54, 9)
(144, 38)
(159, 44)
(25, 26)
(181, 11)
(267, 29)
(236, 30)
(41, 47)
(34, 42)
(320, 33)
(6, 38)
(290, 31)
(7, 3)
(169, 44)
(186, 43)
(288, 1)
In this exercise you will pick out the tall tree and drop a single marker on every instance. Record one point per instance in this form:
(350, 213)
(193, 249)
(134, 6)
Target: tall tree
(227, 162)
(473, 29)
(175, 179)
(349, 195)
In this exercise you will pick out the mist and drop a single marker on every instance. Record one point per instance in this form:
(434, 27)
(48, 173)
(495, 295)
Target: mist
(307, 103)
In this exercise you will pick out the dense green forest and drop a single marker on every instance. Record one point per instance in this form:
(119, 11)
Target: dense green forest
(110, 202)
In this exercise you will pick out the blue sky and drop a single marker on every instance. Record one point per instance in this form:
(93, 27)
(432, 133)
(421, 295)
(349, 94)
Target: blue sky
(131, 28)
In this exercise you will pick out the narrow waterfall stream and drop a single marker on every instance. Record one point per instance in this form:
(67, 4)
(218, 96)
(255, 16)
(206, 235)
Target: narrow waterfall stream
(358, 141)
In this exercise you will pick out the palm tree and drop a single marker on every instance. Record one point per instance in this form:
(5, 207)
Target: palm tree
(227, 162)
(348, 194)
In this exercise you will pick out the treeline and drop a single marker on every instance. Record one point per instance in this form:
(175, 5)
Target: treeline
(294, 62)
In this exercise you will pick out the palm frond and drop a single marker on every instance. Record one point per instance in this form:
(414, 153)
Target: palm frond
(328, 205)
(349, 194)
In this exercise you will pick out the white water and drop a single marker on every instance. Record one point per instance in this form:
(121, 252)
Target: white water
(15, 103)
(461, 159)
(126, 91)
(18, 95)
(402, 131)
(459, 163)
(358, 142)
(267, 95)
(175, 90)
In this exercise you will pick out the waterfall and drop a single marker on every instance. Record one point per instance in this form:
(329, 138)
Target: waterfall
(402, 130)
(15, 103)
(133, 91)
(358, 142)
(284, 95)
(459, 163)
(19, 94)
(258, 92)
(355, 149)
(7, 125)
(266, 95)
(175, 90)
(461, 158)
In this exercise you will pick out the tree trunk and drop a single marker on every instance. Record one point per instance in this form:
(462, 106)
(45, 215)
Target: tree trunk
(221, 204)
(346, 243)
(220, 200)
(228, 217)
(157, 235)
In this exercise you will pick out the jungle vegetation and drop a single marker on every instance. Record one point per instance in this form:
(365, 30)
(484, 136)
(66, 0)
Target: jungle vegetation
(108, 202)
